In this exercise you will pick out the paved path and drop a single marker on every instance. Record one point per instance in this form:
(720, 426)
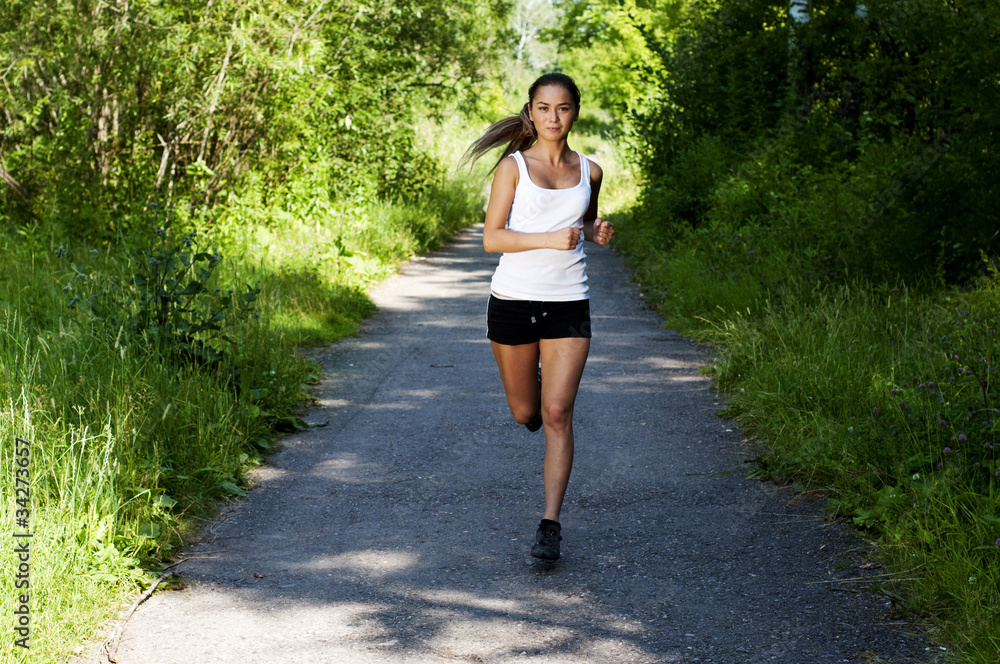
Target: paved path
(399, 532)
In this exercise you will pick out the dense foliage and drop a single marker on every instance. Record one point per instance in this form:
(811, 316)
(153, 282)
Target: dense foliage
(892, 116)
(110, 105)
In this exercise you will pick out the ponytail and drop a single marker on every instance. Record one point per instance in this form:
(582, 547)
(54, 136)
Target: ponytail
(517, 131)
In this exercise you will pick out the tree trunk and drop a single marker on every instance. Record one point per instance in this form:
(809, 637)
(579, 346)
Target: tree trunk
(800, 10)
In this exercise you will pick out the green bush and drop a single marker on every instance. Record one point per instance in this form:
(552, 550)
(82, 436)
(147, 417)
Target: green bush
(893, 155)
(166, 297)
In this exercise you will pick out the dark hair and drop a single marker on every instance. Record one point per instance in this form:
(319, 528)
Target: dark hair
(516, 130)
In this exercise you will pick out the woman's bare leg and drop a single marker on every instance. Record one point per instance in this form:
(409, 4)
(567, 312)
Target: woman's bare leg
(563, 361)
(519, 372)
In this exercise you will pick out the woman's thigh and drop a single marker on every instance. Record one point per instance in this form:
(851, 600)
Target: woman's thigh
(563, 361)
(519, 372)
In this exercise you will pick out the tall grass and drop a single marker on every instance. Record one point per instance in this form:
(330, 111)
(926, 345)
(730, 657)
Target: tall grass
(125, 444)
(81, 568)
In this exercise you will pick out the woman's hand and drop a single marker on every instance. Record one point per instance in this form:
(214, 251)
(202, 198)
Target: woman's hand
(603, 231)
(566, 239)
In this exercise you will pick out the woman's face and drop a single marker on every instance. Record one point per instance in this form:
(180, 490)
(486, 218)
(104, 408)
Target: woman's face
(553, 112)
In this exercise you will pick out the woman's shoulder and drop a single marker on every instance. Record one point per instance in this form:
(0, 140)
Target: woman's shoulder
(507, 170)
(508, 163)
(596, 173)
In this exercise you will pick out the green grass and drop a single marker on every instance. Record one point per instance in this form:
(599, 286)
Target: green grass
(834, 380)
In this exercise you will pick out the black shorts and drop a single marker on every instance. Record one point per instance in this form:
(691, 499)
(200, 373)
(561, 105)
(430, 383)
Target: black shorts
(516, 322)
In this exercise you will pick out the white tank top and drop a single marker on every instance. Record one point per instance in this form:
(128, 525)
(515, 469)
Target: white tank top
(546, 275)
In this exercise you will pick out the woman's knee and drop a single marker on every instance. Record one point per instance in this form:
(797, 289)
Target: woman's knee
(557, 414)
(523, 410)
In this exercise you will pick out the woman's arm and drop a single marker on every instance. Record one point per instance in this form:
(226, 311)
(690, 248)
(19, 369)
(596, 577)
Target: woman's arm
(498, 238)
(595, 229)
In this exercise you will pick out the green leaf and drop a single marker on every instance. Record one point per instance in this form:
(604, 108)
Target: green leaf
(233, 489)
(193, 288)
(165, 501)
(151, 530)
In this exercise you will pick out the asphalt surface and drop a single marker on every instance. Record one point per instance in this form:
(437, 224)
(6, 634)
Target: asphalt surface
(397, 529)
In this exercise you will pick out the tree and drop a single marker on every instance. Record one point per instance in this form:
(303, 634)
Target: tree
(108, 105)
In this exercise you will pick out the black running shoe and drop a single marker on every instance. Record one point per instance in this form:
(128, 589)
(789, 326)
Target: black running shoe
(547, 540)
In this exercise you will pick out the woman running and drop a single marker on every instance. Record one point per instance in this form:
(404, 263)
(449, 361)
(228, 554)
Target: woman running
(543, 205)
